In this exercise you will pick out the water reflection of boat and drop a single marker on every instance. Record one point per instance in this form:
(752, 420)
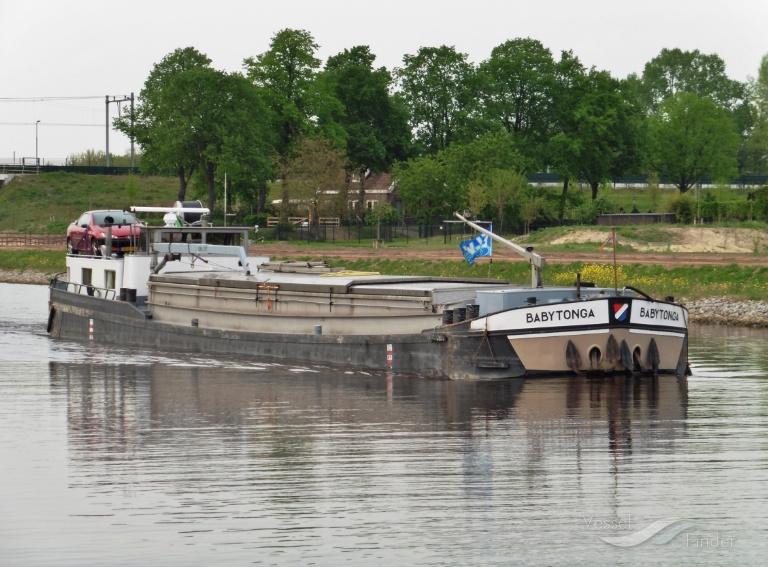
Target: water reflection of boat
(194, 289)
(108, 399)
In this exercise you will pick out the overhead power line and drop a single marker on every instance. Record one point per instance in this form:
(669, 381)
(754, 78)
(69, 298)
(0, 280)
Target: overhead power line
(47, 98)
(49, 124)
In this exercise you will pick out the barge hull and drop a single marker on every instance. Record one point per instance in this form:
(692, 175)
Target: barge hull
(451, 352)
(433, 355)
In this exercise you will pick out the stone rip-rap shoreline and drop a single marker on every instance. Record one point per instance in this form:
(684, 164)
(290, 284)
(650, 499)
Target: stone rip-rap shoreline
(724, 311)
(712, 310)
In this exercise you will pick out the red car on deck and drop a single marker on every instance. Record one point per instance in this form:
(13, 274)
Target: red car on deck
(88, 234)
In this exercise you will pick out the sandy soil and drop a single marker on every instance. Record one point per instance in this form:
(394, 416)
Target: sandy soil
(684, 240)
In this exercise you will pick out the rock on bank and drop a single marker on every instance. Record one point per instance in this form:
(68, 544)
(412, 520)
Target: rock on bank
(724, 311)
(24, 277)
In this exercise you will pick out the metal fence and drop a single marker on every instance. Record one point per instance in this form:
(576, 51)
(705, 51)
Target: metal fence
(446, 232)
(20, 240)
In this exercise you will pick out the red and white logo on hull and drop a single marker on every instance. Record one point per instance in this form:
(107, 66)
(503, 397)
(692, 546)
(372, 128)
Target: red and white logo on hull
(620, 311)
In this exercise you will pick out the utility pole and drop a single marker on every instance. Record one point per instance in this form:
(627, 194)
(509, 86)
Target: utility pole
(37, 159)
(119, 100)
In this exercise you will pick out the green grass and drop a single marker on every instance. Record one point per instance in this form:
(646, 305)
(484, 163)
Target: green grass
(45, 261)
(48, 202)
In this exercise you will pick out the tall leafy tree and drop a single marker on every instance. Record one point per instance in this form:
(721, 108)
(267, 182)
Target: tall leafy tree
(160, 122)
(603, 133)
(759, 87)
(563, 147)
(375, 123)
(691, 138)
(228, 125)
(755, 149)
(286, 75)
(516, 85)
(247, 140)
(300, 105)
(435, 85)
(674, 71)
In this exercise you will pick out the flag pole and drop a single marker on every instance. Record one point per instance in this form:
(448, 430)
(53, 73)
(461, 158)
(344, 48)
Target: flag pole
(615, 277)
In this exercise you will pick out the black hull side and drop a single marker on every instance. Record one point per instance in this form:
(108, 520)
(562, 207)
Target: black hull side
(452, 352)
(433, 355)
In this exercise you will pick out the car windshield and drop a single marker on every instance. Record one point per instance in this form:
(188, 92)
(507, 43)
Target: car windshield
(103, 218)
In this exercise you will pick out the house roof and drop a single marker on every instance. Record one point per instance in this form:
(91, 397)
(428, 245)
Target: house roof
(379, 183)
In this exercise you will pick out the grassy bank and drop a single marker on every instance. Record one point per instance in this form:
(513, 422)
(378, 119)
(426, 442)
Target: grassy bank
(43, 261)
(690, 282)
(48, 202)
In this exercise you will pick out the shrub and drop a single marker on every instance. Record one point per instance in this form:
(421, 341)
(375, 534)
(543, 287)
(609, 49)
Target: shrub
(683, 205)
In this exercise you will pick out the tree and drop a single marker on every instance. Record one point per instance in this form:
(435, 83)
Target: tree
(160, 123)
(312, 177)
(375, 124)
(477, 158)
(426, 189)
(759, 88)
(300, 104)
(607, 130)
(674, 71)
(503, 189)
(477, 198)
(530, 211)
(286, 74)
(755, 149)
(761, 203)
(225, 123)
(246, 139)
(382, 213)
(691, 138)
(434, 85)
(515, 86)
(563, 148)
(754, 154)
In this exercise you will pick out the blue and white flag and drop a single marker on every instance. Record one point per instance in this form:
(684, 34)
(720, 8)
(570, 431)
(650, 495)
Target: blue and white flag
(476, 247)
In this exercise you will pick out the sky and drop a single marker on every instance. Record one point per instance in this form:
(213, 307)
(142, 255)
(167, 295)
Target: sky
(82, 51)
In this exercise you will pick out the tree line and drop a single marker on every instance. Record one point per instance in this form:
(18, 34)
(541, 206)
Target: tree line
(455, 135)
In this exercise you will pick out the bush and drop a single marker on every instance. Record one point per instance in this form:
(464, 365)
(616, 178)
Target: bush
(760, 209)
(256, 219)
(588, 212)
(683, 205)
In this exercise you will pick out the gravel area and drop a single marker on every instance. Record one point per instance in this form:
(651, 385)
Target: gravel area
(724, 311)
(25, 277)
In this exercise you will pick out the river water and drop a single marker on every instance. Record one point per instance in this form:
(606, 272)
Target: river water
(119, 457)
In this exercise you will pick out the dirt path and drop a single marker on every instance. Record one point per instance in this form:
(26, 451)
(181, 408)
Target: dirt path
(670, 259)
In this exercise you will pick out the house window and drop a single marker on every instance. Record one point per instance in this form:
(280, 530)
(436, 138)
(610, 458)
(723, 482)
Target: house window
(370, 204)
